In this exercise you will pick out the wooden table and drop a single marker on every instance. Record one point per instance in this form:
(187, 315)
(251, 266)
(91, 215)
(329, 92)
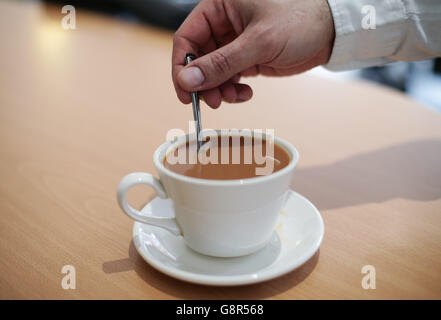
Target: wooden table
(81, 108)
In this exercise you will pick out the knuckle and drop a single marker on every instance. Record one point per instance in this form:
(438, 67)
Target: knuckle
(220, 62)
(267, 36)
(266, 40)
(208, 2)
(218, 6)
(176, 37)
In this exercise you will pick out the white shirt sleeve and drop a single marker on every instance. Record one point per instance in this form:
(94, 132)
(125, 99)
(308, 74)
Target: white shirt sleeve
(405, 30)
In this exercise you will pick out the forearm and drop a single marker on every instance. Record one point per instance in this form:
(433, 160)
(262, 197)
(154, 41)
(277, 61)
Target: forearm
(405, 30)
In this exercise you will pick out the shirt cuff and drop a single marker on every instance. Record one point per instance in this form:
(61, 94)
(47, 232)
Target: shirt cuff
(356, 47)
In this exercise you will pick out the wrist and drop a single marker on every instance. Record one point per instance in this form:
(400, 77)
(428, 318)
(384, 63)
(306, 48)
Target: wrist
(327, 21)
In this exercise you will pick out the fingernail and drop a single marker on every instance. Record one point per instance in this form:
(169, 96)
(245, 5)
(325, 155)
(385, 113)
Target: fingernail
(191, 77)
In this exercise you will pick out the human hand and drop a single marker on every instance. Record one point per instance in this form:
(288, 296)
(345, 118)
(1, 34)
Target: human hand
(235, 38)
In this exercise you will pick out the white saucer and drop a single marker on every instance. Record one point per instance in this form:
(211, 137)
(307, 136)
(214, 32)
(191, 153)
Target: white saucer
(298, 236)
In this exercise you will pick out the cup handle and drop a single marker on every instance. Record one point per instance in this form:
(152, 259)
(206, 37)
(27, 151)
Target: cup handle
(136, 178)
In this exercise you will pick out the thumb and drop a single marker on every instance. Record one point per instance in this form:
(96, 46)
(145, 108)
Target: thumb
(218, 66)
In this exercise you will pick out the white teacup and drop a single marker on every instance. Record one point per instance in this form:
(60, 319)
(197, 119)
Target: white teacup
(222, 218)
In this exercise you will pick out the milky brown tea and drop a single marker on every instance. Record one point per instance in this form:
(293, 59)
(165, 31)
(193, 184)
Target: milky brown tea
(227, 158)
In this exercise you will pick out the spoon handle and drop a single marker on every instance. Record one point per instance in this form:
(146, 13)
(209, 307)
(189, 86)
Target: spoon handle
(189, 57)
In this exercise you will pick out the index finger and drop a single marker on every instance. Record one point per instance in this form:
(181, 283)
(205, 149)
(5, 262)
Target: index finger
(206, 21)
